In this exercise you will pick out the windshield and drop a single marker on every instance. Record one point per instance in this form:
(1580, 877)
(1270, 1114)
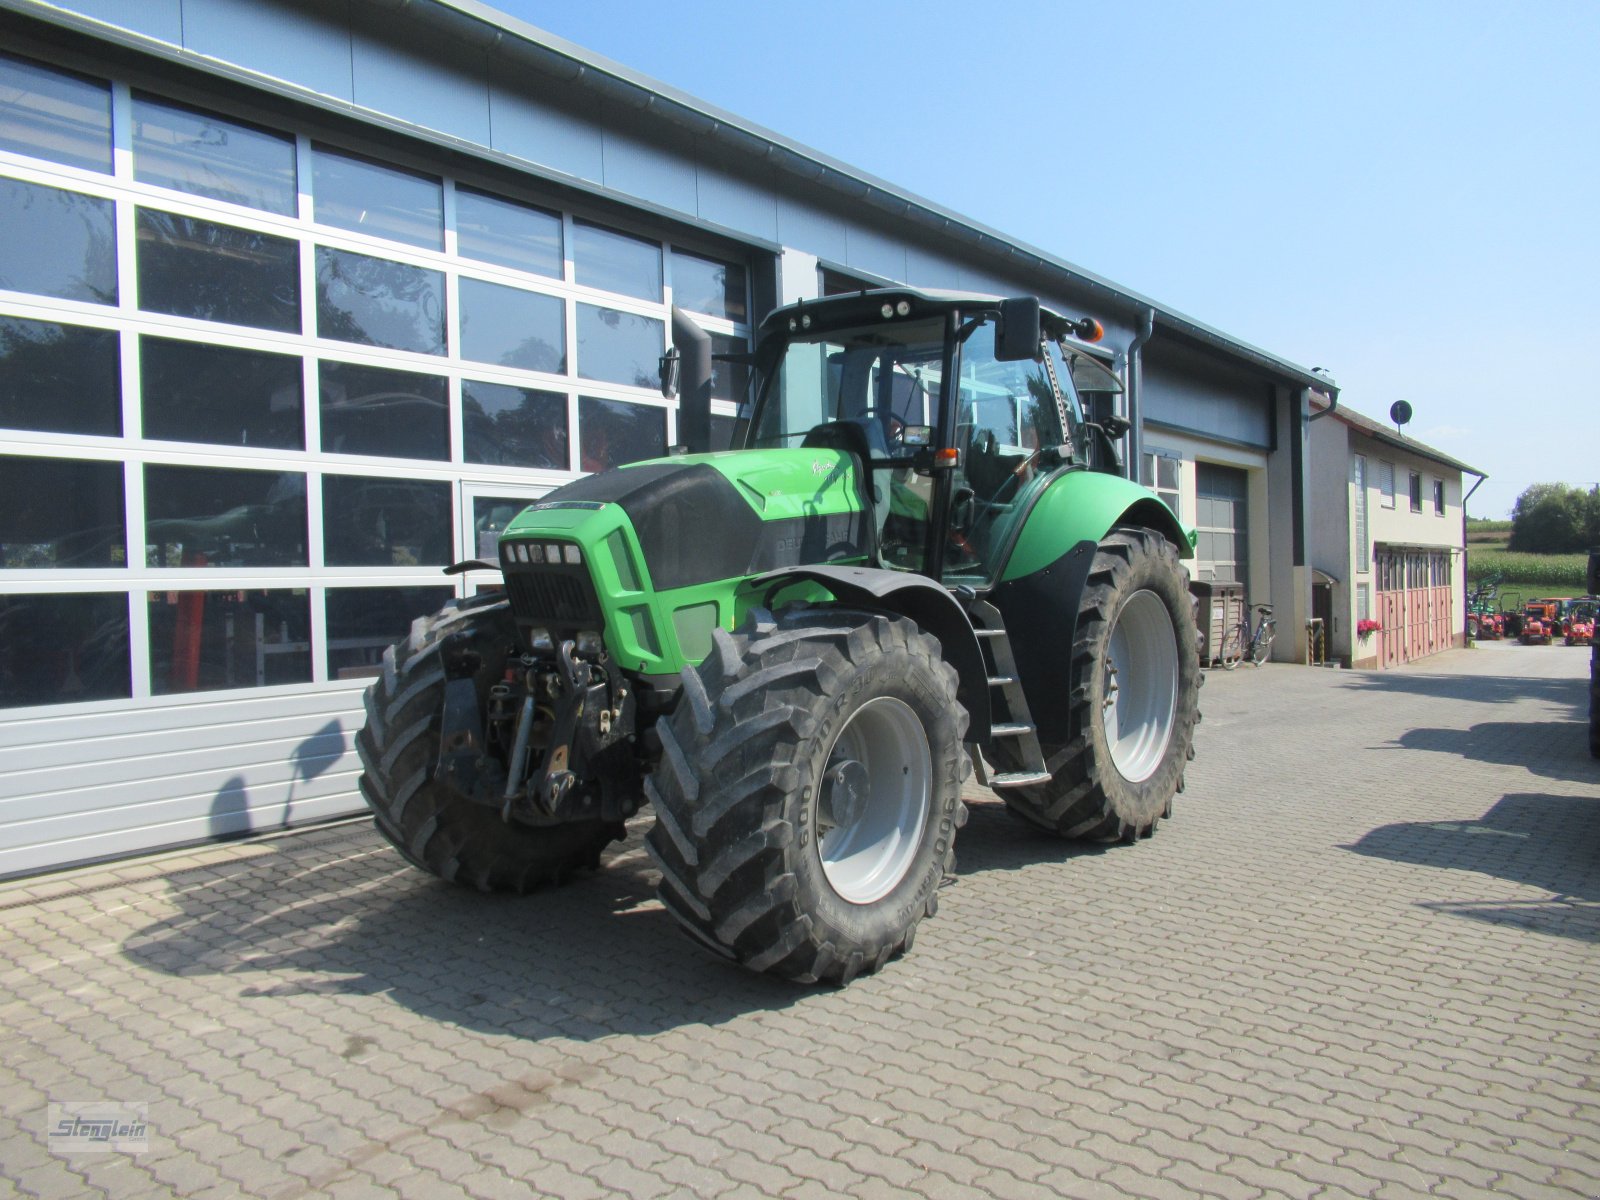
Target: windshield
(886, 377)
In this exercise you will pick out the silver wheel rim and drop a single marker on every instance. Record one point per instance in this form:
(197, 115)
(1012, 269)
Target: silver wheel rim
(1140, 697)
(873, 799)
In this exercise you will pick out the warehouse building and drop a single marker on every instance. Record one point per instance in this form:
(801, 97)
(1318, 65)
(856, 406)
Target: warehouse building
(299, 302)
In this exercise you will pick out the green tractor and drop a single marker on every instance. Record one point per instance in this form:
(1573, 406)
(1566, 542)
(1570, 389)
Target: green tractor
(923, 561)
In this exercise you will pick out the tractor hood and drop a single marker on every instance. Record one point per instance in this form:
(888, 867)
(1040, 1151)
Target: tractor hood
(704, 517)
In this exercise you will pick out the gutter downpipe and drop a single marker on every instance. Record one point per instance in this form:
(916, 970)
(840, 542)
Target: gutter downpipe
(1134, 397)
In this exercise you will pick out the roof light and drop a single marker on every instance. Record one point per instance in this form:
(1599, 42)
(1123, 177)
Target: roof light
(887, 310)
(805, 321)
(903, 308)
(793, 324)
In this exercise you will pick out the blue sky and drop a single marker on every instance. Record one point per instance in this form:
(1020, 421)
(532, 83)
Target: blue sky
(1405, 194)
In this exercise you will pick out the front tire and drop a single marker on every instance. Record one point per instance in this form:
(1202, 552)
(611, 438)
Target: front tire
(431, 826)
(809, 792)
(1135, 698)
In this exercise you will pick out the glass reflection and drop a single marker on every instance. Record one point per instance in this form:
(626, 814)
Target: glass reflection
(49, 113)
(619, 347)
(218, 517)
(729, 380)
(59, 378)
(514, 427)
(616, 262)
(385, 522)
(513, 328)
(490, 516)
(375, 302)
(207, 155)
(371, 410)
(64, 648)
(194, 268)
(364, 622)
(704, 285)
(61, 512)
(370, 197)
(194, 392)
(613, 433)
(496, 230)
(206, 641)
(58, 243)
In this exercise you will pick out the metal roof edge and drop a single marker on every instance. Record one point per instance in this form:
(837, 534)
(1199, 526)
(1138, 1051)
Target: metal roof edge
(1370, 428)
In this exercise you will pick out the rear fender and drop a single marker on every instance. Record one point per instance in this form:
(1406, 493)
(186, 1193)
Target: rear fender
(918, 599)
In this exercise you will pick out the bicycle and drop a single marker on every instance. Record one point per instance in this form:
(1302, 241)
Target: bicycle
(1242, 642)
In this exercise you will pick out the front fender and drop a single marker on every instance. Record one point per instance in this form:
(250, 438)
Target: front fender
(916, 598)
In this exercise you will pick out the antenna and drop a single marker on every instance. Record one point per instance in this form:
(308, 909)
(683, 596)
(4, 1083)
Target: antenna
(1399, 413)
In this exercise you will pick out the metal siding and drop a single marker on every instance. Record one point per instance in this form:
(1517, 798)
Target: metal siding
(875, 253)
(418, 83)
(929, 270)
(640, 169)
(737, 204)
(543, 134)
(1205, 403)
(90, 785)
(306, 43)
(813, 230)
(161, 19)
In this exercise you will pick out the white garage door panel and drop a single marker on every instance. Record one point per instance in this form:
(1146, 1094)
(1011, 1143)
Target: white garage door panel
(71, 845)
(97, 785)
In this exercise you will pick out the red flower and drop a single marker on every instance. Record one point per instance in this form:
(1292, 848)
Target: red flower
(1367, 625)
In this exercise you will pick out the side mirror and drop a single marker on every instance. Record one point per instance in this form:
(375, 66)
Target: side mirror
(671, 363)
(1017, 338)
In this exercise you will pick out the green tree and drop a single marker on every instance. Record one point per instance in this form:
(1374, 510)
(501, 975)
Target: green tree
(1554, 518)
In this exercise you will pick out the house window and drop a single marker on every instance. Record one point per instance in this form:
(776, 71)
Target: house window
(1358, 484)
(1363, 601)
(1416, 492)
(1438, 497)
(1385, 483)
(1159, 471)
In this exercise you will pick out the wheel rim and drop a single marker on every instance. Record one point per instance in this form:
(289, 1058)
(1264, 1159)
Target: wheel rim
(872, 802)
(1141, 686)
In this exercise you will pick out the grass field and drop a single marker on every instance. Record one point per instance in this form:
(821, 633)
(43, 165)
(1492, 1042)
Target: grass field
(1546, 574)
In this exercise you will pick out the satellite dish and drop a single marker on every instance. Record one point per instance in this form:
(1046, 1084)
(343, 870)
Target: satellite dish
(1400, 412)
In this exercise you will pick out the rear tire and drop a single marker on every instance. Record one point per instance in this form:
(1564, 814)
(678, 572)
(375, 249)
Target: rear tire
(432, 827)
(1261, 648)
(809, 792)
(1135, 698)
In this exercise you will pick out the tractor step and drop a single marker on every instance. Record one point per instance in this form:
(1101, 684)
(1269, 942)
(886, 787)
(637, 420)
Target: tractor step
(1010, 729)
(1019, 779)
(1012, 718)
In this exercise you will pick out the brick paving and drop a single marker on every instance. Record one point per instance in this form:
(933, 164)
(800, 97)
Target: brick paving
(1361, 961)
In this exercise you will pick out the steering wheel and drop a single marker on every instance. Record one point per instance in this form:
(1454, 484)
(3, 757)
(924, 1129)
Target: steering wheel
(893, 426)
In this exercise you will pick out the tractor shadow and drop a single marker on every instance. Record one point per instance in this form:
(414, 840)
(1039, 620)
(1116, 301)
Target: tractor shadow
(1551, 749)
(1548, 843)
(1482, 689)
(338, 912)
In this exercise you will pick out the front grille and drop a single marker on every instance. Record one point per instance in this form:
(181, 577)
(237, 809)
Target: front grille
(558, 597)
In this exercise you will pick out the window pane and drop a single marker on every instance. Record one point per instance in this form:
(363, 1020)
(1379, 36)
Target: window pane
(1167, 473)
(721, 432)
(61, 512)
(514, 427)
(59, 378)
(386, 522)
(512, 327)
(619, 347)
(364, 622)
(729, 380)
(63, 649)
(207, 155)
(613, 433)
(490, 516)
(355, 193)
(194, 268)
(203, 641)
(193, 392)
(55, 114)
(504, 232)
(376, 302)
(58, 243)
(396, 414)
(616, 262)
(216, 517)
(703, 285)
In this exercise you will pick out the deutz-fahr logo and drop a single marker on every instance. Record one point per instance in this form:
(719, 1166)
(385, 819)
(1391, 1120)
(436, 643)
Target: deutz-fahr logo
(818, 467)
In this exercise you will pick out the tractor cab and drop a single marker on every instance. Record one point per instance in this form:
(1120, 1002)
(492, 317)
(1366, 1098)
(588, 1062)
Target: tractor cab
(960, 409)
